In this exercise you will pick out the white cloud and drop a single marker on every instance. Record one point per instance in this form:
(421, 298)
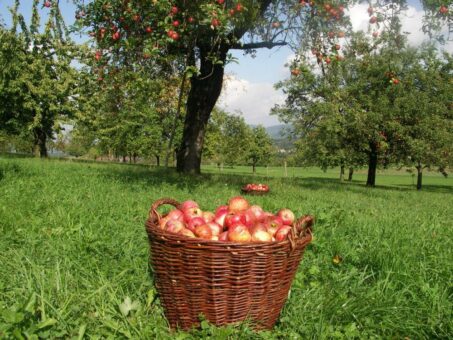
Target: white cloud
(252, 100)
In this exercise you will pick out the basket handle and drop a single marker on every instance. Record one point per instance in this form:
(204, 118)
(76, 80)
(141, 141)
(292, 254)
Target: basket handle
(301, 227)
(154, 214)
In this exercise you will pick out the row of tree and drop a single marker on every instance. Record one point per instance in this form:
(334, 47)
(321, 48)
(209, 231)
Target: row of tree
(383, 104)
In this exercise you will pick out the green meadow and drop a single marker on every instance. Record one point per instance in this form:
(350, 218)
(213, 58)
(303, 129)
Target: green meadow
(74, 252)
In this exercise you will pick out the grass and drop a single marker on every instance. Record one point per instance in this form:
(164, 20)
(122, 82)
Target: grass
(73, 252)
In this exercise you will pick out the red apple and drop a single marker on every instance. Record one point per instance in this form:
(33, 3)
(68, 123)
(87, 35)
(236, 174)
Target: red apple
(258, 227)
(191, 213)
(174, 10)
(194, 222)
(287, 216)
(232, 220)
(220, 218)
(240, 234)
(373, 20)
(176, 215)
(116, 35)
(239, 7)
(261, 236)
(249, 219)
(220, 209)
(188, 204)
(148, 29)
(282, 233)
(174, 226)
(220, 2)
(215, 228)
(186, 232)
(238, 204)
(258, 212)
(203, 231)
(208, 216)
(47, 4)
(272, 230)
(274, 221)
(175, 23)
(223, 236)
(163, 221)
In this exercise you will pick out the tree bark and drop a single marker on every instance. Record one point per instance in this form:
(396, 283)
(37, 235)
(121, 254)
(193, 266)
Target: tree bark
(419, 176)
(40, 142)
(157, 160)
(204, 92)
(351, 172)
(372, 165)
(342, 173)
(254, 168)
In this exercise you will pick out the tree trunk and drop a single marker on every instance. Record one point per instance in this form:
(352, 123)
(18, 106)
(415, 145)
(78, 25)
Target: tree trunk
(157, 160)
(342, 173)
(204, 92)
(372, 165)
(40, 142)
(419, 176)
(254, 167)
(351, 172)
(135, 158)
(124, 159)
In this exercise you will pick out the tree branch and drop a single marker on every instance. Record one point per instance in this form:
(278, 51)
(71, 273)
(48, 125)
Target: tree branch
(261, 44)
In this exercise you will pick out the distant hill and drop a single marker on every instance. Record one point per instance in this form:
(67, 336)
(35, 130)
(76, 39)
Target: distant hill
(276, 131)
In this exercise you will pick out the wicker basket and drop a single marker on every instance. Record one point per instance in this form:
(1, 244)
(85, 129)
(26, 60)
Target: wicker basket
(225, 282)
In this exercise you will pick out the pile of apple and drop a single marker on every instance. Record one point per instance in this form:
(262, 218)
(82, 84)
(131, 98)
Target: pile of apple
(255, 187)
(235, 222)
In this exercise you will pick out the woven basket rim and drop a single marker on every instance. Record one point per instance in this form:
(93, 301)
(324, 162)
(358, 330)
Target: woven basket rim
(153, 229)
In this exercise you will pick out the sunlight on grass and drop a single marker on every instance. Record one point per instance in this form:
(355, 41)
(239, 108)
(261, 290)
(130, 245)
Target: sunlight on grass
(73, 251)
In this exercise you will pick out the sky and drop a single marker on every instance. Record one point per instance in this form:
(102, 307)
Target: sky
(249, 84)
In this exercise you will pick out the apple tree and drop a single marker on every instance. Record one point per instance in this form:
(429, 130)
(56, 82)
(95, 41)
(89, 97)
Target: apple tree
(228, 139)
(423, 129)
(201, 33)
(36, 77)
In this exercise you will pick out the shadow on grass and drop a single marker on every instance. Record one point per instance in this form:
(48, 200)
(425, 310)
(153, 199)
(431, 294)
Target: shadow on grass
(156, 175)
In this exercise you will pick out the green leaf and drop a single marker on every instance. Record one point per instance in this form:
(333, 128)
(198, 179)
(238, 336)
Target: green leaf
(82, 330)
(127, 306)
(47, 323)
(12, 316)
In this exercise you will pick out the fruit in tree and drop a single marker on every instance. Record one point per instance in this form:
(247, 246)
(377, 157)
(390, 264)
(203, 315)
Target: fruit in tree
(240, 234)
(373, 20)
(220, 2)
(116, 35)
(287, 216)
(239, 7)
(370, 10)
(175, 23)
(238, 204)
(174, 10)
(295, 72)
(148, 29)
(47, 4)
(215, 22)
(98, 55)
(443, 9)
